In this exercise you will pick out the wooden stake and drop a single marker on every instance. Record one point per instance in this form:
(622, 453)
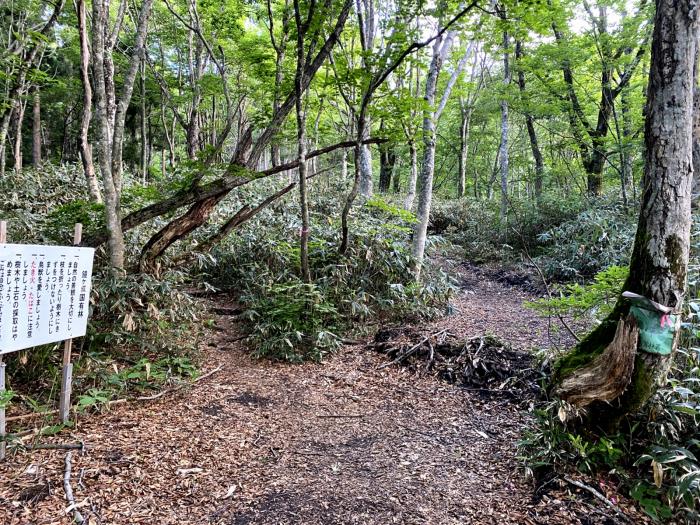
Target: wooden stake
(67, 376)
(3, 240)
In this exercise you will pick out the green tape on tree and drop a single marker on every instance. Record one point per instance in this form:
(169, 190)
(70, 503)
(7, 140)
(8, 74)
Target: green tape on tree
(656, 330)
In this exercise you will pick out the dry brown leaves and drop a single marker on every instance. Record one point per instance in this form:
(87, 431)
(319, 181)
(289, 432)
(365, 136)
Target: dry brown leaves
(340, 442)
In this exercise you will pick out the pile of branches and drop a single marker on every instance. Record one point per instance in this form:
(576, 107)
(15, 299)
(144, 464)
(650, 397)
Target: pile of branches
(483, 364)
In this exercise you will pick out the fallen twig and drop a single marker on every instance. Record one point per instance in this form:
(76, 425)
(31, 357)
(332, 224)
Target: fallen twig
(56, 446)
(340, 415)
(411, 350)
(31, 415)
(77, 517)
(599, 496)
(168, 390)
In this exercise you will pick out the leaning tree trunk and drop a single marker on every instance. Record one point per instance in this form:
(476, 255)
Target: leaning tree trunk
(660, 256)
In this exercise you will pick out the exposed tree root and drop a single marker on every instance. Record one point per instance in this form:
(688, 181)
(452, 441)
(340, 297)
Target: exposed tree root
(607, 376)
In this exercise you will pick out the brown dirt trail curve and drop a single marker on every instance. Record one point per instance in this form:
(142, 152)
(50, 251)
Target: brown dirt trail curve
(341, 442)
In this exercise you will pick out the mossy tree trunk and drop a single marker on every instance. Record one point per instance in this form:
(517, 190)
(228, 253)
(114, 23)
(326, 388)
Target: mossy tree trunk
(660, 255)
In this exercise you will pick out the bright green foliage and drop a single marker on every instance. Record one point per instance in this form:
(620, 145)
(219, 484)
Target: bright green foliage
(372, 281)
(593, 300)
(655, 454)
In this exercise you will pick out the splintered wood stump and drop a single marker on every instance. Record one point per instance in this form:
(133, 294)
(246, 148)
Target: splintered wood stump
(606, 377)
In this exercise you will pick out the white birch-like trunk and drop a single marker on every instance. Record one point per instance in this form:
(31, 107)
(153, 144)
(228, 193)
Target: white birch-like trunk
(412, 177)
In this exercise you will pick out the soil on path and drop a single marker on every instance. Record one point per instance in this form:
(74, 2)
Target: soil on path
(340, 442)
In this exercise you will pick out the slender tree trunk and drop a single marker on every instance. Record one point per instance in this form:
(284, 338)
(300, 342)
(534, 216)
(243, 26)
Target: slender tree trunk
(658, 267)
(413, 176)
(466, 112)
(503, 150)
(344, 165)
(696, 132)
(144, 134)
(103, 142)
(301, 146)
(396, 182)
(367, 22)
(387, 160)
(18, 119)
(4, 127)
(530, 124)
(36, 127)
(425, 180)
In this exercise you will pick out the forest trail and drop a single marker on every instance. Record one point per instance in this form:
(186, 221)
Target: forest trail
(344, 441)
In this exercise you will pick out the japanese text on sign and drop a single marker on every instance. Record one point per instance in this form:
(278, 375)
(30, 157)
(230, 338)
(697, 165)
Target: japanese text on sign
(44, 294)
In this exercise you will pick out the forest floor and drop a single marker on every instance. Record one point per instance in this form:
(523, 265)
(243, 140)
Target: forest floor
(349, 440)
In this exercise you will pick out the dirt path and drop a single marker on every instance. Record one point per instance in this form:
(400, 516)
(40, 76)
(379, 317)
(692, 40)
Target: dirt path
(339, 442)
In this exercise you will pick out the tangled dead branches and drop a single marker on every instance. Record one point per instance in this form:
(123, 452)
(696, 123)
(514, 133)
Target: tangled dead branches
(484, 363)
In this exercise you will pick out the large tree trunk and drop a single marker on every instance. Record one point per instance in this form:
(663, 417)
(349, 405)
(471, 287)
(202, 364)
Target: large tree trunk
(660, 255)
(103, 142)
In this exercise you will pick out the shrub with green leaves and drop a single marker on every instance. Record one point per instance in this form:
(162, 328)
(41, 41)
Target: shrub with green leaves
(591, 241)
(655, 454)
(373, 280)
(591, 302)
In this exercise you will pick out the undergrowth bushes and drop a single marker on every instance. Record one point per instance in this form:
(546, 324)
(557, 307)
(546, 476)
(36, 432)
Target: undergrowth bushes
(569, 239)
(655, 457)
(372, 281)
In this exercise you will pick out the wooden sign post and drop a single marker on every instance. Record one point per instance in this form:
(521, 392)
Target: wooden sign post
(67, 377)
(3, 445)
(44, 299)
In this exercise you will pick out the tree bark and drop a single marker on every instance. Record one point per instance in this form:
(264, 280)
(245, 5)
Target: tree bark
(425, 180)
(301, 144)
(466, 115)
(530, 124)
(658, 267)
(387, 160)
(503, 149)
(367, 22)
(143, 118)
(413, 176)
(18, 122)
(84, 142)
(696, 132)
(36, 127)
(103, 140)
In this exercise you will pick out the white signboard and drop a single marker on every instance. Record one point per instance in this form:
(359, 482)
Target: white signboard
(44, 294)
